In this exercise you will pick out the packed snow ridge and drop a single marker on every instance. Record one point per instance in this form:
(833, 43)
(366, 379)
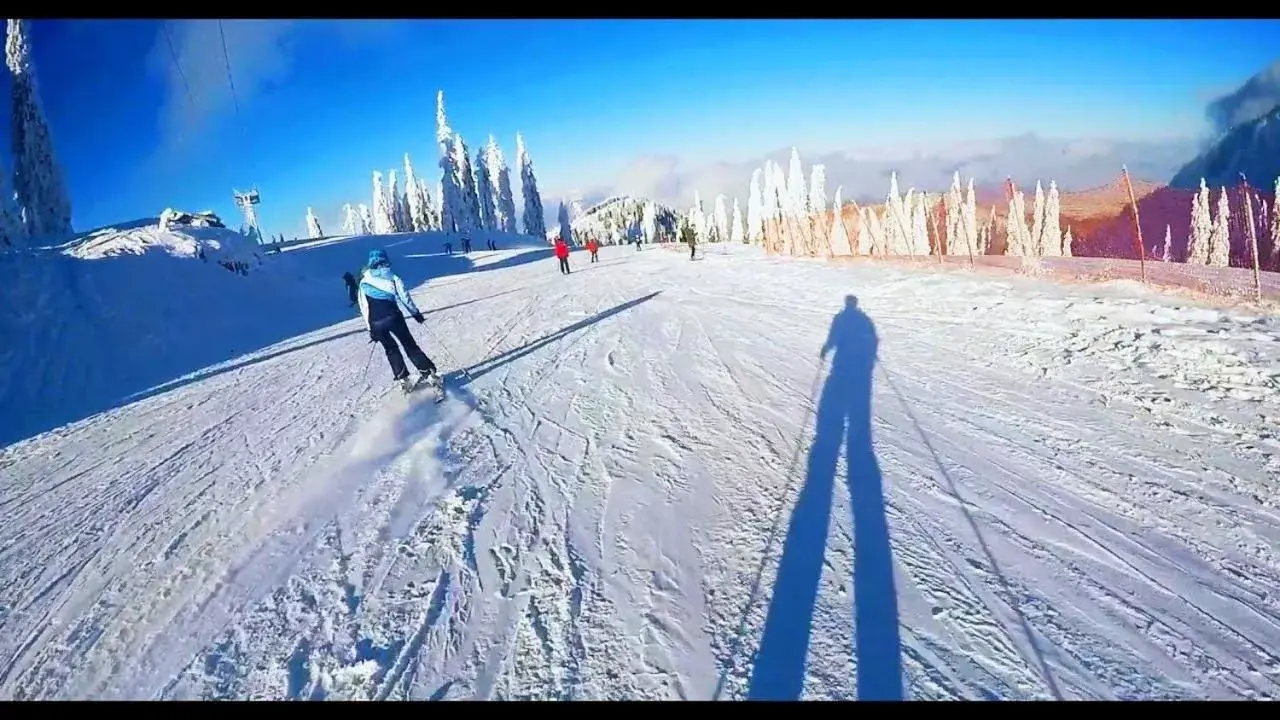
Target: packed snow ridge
(656, 478)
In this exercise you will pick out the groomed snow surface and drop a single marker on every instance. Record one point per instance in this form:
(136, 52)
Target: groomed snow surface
(651, 485)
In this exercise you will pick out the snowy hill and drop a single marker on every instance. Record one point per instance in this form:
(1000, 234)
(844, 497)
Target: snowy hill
(620, 216)
(123, 310)
(658, 479)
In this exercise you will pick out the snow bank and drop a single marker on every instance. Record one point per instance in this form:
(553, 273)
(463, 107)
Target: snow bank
(128, 310)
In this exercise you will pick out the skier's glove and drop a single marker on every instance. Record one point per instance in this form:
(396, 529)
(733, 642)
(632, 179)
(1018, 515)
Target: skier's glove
(417, 317)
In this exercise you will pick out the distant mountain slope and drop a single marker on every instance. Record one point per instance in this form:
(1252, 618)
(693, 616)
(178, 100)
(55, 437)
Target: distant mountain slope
(1252, 148)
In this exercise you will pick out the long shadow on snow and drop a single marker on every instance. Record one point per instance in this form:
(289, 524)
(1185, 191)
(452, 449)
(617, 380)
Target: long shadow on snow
(177, 339)
(843, 418)
(488, 365)
(175, 384)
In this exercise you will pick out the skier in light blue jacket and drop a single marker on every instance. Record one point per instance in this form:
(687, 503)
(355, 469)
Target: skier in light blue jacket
(381, 294)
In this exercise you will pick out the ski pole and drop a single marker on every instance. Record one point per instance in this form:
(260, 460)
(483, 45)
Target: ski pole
(368, 361)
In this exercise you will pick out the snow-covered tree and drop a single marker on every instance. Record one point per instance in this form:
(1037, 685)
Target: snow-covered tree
(453, 210)
(366, 220)
(920, 225)
(1275, 228)
(735, 224)
(350, 220)
(313, 225)
(381, 206)
(1166, 254)
(416, 199)
(534, 220)
(838, 236)
(897, 221)
(467, 181)
(400, 220)
(754, 207)
(969, 218)
(721, 218)
(818, 189)
(797, 194)
(649, 222)
(863, 244)
(39, 188)
(566, 231)
(504, 203)
(1051, 230)
(1220, 236)
(1198, 241)
(484, 194)
(1036, 246)
(952, 207)
(1017, 235)
(1067, 243)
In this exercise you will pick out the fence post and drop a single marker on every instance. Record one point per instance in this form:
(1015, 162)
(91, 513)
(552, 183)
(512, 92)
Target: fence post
(1137, 224)
(1253, 238)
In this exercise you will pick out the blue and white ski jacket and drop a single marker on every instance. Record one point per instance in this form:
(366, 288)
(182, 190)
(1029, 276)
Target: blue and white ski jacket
(379, 290)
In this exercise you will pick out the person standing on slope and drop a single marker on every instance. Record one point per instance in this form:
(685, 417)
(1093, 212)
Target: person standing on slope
(562, 252)
(380, 290)
(593, 247)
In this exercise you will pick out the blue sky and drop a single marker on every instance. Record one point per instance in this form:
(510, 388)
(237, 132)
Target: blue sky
(323, 103)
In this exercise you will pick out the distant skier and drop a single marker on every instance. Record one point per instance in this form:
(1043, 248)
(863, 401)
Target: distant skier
(448, 249)
(593, 247)
(562, 252)
(380, 289)
(693, 246)
(466, 244)
(352, 286)
(491, 244)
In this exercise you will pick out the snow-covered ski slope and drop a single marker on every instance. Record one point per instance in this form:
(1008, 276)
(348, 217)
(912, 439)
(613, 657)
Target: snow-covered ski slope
(653, 486)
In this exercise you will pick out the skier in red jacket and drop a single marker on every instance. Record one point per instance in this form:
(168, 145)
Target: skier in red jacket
(593, 247)
(562, 252)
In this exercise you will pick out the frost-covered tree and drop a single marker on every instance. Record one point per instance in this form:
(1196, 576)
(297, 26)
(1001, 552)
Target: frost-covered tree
(1051, 230)
(484, 194)
(797, 194)
(838, 236)
(504, 203)
(400, 221)
(1220, 236)
(897, 221)
(1275, 228)
(649, 222)
(862, 243)
(1198, 241)
(1166, 254)
(1067, 243)
(38, 185)
(467, 181)
(350, 220)
(453, 211)
(1036, 246)
(416, 199)
(920, 225)
(1017, 235)
(381, 206)
(366, 220)
(735, 225)
(818, 189)
(313, 225)
(952, 208)
(754, 220)
(534, 220)
(721, 218)
(566, 231)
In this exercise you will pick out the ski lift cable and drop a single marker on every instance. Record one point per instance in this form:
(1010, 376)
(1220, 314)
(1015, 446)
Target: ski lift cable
(235, 99)
(178, 66)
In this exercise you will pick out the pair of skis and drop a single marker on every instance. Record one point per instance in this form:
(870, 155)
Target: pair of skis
(409, 386)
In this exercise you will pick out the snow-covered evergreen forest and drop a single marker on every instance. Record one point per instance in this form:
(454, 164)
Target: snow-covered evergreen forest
(34, 204)
(474, 193)
(787, 211)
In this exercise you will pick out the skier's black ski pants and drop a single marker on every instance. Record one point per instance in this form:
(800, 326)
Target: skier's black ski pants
(389, 329)
(564, 265)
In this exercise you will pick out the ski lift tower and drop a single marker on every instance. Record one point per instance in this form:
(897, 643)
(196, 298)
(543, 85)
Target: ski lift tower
(246, 202)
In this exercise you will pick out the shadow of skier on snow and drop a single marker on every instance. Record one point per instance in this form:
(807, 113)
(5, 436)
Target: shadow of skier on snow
(843, 419)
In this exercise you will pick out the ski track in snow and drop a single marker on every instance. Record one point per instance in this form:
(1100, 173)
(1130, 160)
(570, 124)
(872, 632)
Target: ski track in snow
(1080, 489)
